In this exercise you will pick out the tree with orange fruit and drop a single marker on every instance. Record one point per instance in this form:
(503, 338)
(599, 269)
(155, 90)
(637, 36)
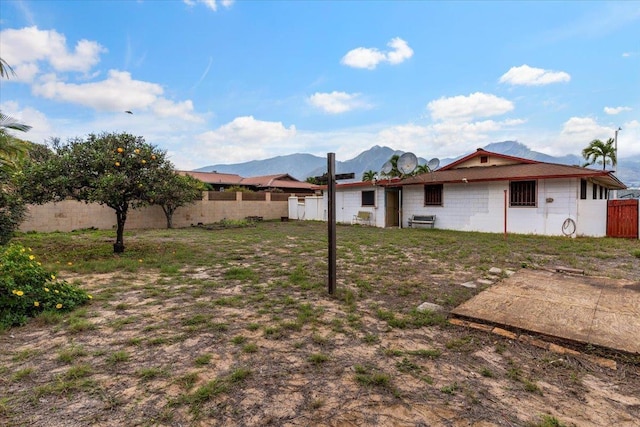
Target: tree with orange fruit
(119, 170)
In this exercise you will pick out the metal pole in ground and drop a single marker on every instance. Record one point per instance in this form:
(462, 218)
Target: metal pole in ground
(331, 191)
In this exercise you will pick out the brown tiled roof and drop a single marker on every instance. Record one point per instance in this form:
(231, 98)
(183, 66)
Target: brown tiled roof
(214, 177)
(282, 180)
(482, 152)
(527, 171)
(266, 180)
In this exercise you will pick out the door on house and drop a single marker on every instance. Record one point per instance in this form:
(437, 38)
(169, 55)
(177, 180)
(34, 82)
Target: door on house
(622, 218)
(392, 211)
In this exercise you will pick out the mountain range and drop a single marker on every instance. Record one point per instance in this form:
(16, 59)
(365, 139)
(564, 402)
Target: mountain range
(302, 166)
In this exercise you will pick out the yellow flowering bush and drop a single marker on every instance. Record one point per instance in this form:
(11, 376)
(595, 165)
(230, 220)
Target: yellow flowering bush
(27, 289)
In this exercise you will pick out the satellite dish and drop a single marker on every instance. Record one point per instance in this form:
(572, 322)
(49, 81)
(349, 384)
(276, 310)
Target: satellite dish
(433, 164)
(407, 163)
(386, 168)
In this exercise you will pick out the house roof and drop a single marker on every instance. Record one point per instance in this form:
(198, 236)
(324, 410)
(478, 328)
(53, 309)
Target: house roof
(214, 177)
(500, 167)
(282, 180)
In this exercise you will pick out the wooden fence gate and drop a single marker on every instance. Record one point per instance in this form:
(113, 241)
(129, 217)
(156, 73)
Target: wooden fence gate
(622, 218)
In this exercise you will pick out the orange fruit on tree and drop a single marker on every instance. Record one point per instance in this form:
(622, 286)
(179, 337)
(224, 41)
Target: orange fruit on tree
(120, 150)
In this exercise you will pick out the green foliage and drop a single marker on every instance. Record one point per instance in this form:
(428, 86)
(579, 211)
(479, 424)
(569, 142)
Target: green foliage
(121, 171)
(27, 289)
(12, 208)
(13, 151)
(549, 421)
(171, 191)
(395, 172)
(312, 180)
(605, 151)
(369, 175)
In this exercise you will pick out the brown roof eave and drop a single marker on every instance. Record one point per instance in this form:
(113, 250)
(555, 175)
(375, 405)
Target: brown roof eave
(603, 178)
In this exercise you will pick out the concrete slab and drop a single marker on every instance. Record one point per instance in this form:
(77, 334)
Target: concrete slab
(590, 310)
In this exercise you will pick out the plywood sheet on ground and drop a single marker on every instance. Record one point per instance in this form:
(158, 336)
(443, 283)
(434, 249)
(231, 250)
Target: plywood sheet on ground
(592, 310)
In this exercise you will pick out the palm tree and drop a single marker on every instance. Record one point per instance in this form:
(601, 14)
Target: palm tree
(369, 175)
(598, 149)
(395, 172)
(5, 69)
(12, 150)
(421, 169)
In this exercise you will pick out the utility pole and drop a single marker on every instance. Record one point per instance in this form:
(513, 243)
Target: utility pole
(615, 149)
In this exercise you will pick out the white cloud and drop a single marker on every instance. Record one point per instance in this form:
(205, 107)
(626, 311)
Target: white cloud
(181, 110)
(245, 138)
(24, 48)
(337, 102)
(211, 4)
(119, 92)
(578, 132)
(401, 51)
(616, 110)
(369, 58)
(362, 57)
(529, 76)
(463, 108)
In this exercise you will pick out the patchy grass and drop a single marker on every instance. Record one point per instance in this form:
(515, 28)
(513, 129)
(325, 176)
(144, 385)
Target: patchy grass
(234, 325)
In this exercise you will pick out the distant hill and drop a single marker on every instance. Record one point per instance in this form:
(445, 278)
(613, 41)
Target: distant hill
(372, 159)
(302, 166)
(297, 165)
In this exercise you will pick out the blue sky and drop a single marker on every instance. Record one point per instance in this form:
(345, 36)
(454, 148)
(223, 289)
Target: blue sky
(226, 82)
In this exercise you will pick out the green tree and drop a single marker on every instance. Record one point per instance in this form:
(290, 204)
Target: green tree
(369, 175)
(421, 169)
(12, 207)
(114, 169)
(600, 150)
(13, 152)
(312, 180)
(12, 149)
(395, 172)
(171, 191)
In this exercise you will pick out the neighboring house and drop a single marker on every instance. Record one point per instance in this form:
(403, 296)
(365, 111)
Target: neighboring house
(489, 192)
(272, 183)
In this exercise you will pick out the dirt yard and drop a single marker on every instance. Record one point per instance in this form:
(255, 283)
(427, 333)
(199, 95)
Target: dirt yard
(240, 331)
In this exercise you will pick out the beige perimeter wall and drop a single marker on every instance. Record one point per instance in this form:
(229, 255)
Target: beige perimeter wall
(72, 215)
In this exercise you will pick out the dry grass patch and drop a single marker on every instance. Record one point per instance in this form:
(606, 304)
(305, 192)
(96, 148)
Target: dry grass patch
(234, 327)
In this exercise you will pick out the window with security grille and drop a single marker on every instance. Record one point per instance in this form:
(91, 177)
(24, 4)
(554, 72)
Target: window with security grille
(369, 198)
(433, 195)
(523, 193)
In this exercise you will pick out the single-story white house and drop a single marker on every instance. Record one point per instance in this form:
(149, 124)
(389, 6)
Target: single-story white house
(487, 192)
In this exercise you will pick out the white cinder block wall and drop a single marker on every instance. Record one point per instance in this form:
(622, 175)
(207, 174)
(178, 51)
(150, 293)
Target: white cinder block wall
(480, 207)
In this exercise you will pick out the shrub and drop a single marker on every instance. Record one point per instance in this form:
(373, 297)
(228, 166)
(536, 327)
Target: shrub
(27, 289)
